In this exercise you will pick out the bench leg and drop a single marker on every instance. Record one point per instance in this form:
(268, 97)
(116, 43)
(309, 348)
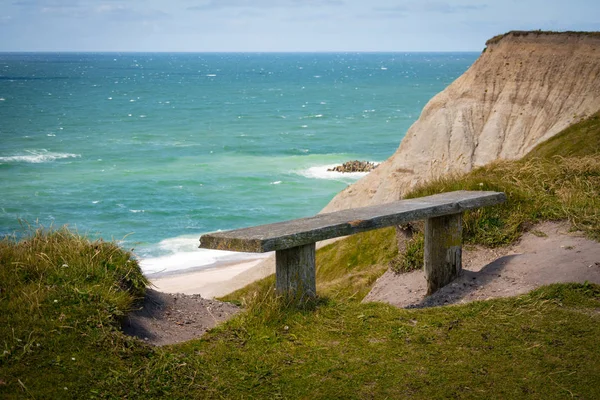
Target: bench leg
(295, 272)
(443, 250)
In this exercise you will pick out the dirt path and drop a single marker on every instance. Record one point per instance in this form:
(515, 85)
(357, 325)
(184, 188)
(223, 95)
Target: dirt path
(547, 254)
(165, 318)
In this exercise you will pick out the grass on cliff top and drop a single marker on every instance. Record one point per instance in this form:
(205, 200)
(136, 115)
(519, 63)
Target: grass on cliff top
(61, 300)
(62, 296)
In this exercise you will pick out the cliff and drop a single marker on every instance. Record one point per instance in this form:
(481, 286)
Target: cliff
(523, 89)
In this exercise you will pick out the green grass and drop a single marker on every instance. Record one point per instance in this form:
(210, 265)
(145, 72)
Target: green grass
(62, 298)
(579, 140)
(338, 349)
(413, 256)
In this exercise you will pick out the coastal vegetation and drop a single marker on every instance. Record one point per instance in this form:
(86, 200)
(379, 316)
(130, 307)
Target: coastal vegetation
(62, 298)
(498, 38)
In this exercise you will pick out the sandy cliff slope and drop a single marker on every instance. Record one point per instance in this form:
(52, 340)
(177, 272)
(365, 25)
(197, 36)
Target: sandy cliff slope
(523, 89)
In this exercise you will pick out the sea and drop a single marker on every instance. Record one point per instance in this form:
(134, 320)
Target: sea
(154, 149)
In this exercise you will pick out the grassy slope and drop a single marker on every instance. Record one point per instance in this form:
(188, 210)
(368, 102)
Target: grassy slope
(61, 298)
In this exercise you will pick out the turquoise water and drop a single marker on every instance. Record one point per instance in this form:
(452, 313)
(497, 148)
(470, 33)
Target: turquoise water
(156, 149)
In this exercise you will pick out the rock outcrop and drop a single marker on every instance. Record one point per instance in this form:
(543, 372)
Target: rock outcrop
(355, 166)
(523, 89)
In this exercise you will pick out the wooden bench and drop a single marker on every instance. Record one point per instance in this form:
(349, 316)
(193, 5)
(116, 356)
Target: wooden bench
(294, 241)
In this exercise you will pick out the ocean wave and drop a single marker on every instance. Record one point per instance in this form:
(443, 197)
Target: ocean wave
(182, 253)
(312, 116)
(37, 156)
(321, 172)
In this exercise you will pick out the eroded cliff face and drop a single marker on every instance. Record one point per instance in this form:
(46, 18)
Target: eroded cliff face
(523, 89)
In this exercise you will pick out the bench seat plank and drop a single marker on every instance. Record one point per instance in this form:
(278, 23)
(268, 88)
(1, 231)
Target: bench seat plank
(300, 232)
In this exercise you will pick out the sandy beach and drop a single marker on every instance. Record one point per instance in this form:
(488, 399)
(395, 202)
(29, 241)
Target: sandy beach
(215, 281)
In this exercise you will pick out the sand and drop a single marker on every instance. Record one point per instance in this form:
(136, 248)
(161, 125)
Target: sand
(212, 282)
(548, 253)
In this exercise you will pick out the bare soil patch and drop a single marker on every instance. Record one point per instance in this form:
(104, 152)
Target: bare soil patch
(548, 253)
(164, 318)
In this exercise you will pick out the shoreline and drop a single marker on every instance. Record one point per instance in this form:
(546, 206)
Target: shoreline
(218, 279)
(221, 277)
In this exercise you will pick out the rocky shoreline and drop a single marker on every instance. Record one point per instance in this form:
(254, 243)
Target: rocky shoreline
(354, 166)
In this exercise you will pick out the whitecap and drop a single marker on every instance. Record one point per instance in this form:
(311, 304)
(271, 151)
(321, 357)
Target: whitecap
(38, 156)
(304, 126)
(137, 211)
(95, 201)
(182, 252)
(383, 68)
(312, 116)
(276, 183)
(51, 134)
(2, 99)
(211, 75)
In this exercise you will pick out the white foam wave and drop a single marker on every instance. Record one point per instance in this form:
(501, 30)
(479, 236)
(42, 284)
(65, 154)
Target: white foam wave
(321, 172)
(183, 253)
(312, 116)
(38, 156)
(137, 211)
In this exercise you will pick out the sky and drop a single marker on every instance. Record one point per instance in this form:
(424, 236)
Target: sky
(279, 25)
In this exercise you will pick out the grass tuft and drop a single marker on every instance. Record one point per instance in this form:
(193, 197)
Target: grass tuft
(61, 297)
(412, 258)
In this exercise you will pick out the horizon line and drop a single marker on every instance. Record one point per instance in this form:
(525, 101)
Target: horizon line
(232, 51)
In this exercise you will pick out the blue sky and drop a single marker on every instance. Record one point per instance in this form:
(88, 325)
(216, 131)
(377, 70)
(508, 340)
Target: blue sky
(279, 25)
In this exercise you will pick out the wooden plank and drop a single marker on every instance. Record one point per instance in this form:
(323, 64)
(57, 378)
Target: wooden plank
(443, 250)
(295, 272)
(299, 232)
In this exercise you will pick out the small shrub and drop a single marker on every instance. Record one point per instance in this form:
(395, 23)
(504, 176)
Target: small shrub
(412, 258)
